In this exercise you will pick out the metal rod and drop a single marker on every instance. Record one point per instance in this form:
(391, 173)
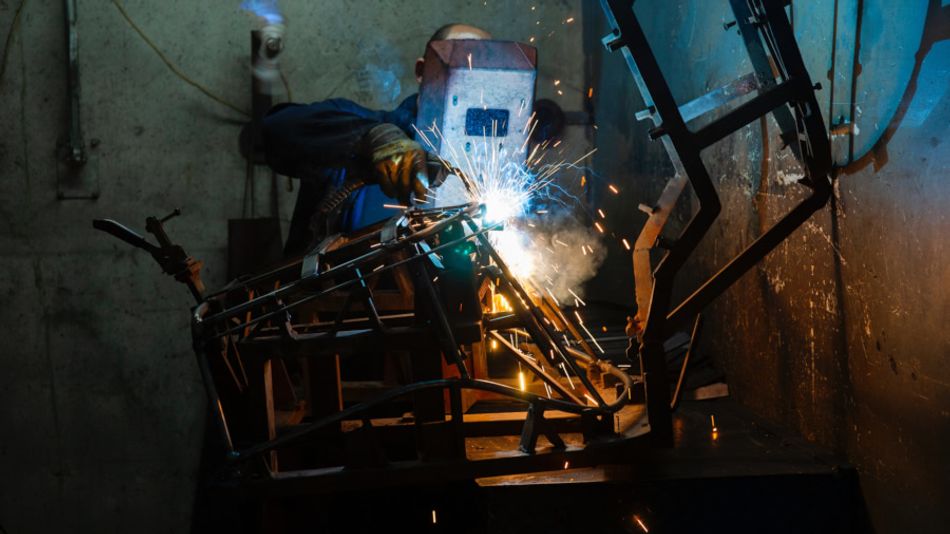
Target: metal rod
(564, 392)
(745, 260)
(522, 296)
(344, 284)
(308, 283)
(483, 385)
(75, 147)
(693, 339)
(450, 346)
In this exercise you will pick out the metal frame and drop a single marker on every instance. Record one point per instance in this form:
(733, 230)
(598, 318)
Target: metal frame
(248, 332)
(243, 326)
(770, 43)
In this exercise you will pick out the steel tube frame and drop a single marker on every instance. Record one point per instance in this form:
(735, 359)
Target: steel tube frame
(758, 19)
(318, 339)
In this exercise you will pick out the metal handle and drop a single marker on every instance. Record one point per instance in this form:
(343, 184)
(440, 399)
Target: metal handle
(75, 146)
(124, 233)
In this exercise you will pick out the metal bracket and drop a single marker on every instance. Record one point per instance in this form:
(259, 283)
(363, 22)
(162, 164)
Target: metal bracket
(534, 425)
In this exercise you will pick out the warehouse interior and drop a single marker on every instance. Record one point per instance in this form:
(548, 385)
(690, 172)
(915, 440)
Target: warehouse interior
(778, 167)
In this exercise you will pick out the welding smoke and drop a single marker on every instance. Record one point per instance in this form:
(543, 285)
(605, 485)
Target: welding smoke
(557, 253)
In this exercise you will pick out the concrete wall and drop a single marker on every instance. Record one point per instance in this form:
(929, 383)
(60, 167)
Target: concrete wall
(101, 406)
(841, 333)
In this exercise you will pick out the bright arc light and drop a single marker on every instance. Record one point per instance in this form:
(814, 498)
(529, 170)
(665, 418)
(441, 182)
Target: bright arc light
(506, 189)
(501, 206)
(515, 248)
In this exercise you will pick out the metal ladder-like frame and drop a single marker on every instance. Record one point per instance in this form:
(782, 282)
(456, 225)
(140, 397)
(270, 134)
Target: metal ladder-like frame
(783, 88)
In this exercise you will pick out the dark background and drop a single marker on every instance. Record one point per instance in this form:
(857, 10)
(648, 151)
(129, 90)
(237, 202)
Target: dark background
(840, 334)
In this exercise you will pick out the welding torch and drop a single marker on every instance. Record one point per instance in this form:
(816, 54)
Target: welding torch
(399, 165)
(172, 258)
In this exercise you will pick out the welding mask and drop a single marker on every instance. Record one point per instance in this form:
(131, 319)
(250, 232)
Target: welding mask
(475, 101)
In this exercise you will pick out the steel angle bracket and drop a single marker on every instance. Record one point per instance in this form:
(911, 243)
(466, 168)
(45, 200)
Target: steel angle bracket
(784, 89)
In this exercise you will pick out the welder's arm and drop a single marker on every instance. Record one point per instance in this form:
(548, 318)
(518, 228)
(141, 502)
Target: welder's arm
(300, 140)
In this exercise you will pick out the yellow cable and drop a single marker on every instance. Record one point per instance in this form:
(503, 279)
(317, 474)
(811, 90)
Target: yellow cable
(9, 39)
(171, 66)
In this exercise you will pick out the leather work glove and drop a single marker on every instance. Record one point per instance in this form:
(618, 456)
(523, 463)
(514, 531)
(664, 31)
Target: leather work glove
(399, 164)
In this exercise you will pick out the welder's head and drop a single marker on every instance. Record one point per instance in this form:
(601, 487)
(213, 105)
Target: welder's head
(450, 32)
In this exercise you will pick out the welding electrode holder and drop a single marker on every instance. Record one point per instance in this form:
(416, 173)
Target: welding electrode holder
(172, 258)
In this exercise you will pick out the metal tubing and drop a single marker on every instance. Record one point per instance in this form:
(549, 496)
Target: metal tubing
(752, 254)
(532, 310)
(282, 309)
(482, 385)
(308, 283)
(693, 339)
(536, 369)
(766, 101)
(450, 347)
(653, 361)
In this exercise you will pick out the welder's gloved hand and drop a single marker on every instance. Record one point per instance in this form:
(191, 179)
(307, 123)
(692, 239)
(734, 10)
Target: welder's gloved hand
(399, 164)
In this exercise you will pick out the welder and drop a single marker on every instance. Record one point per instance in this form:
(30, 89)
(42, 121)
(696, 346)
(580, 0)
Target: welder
(335, 144)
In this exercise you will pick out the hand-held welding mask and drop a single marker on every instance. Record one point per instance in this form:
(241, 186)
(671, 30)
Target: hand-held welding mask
(475, 101)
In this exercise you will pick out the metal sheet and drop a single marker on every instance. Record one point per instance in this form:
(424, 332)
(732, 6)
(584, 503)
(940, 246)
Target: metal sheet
(890, 38)
(863, 52)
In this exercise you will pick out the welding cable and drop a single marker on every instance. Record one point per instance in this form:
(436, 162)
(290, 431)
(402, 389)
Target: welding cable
(9, 40)
(174, 68)
(331, 201)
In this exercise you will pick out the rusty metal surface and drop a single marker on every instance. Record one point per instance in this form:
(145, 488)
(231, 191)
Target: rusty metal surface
(841, 335)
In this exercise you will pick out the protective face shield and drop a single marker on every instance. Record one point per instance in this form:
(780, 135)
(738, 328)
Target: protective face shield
(475, 102)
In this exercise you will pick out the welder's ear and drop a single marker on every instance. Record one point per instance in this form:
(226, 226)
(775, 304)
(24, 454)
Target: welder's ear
(420, 65)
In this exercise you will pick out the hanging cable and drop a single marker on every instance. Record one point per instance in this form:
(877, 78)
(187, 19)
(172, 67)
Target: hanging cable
(174, 68)
(9, 40)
